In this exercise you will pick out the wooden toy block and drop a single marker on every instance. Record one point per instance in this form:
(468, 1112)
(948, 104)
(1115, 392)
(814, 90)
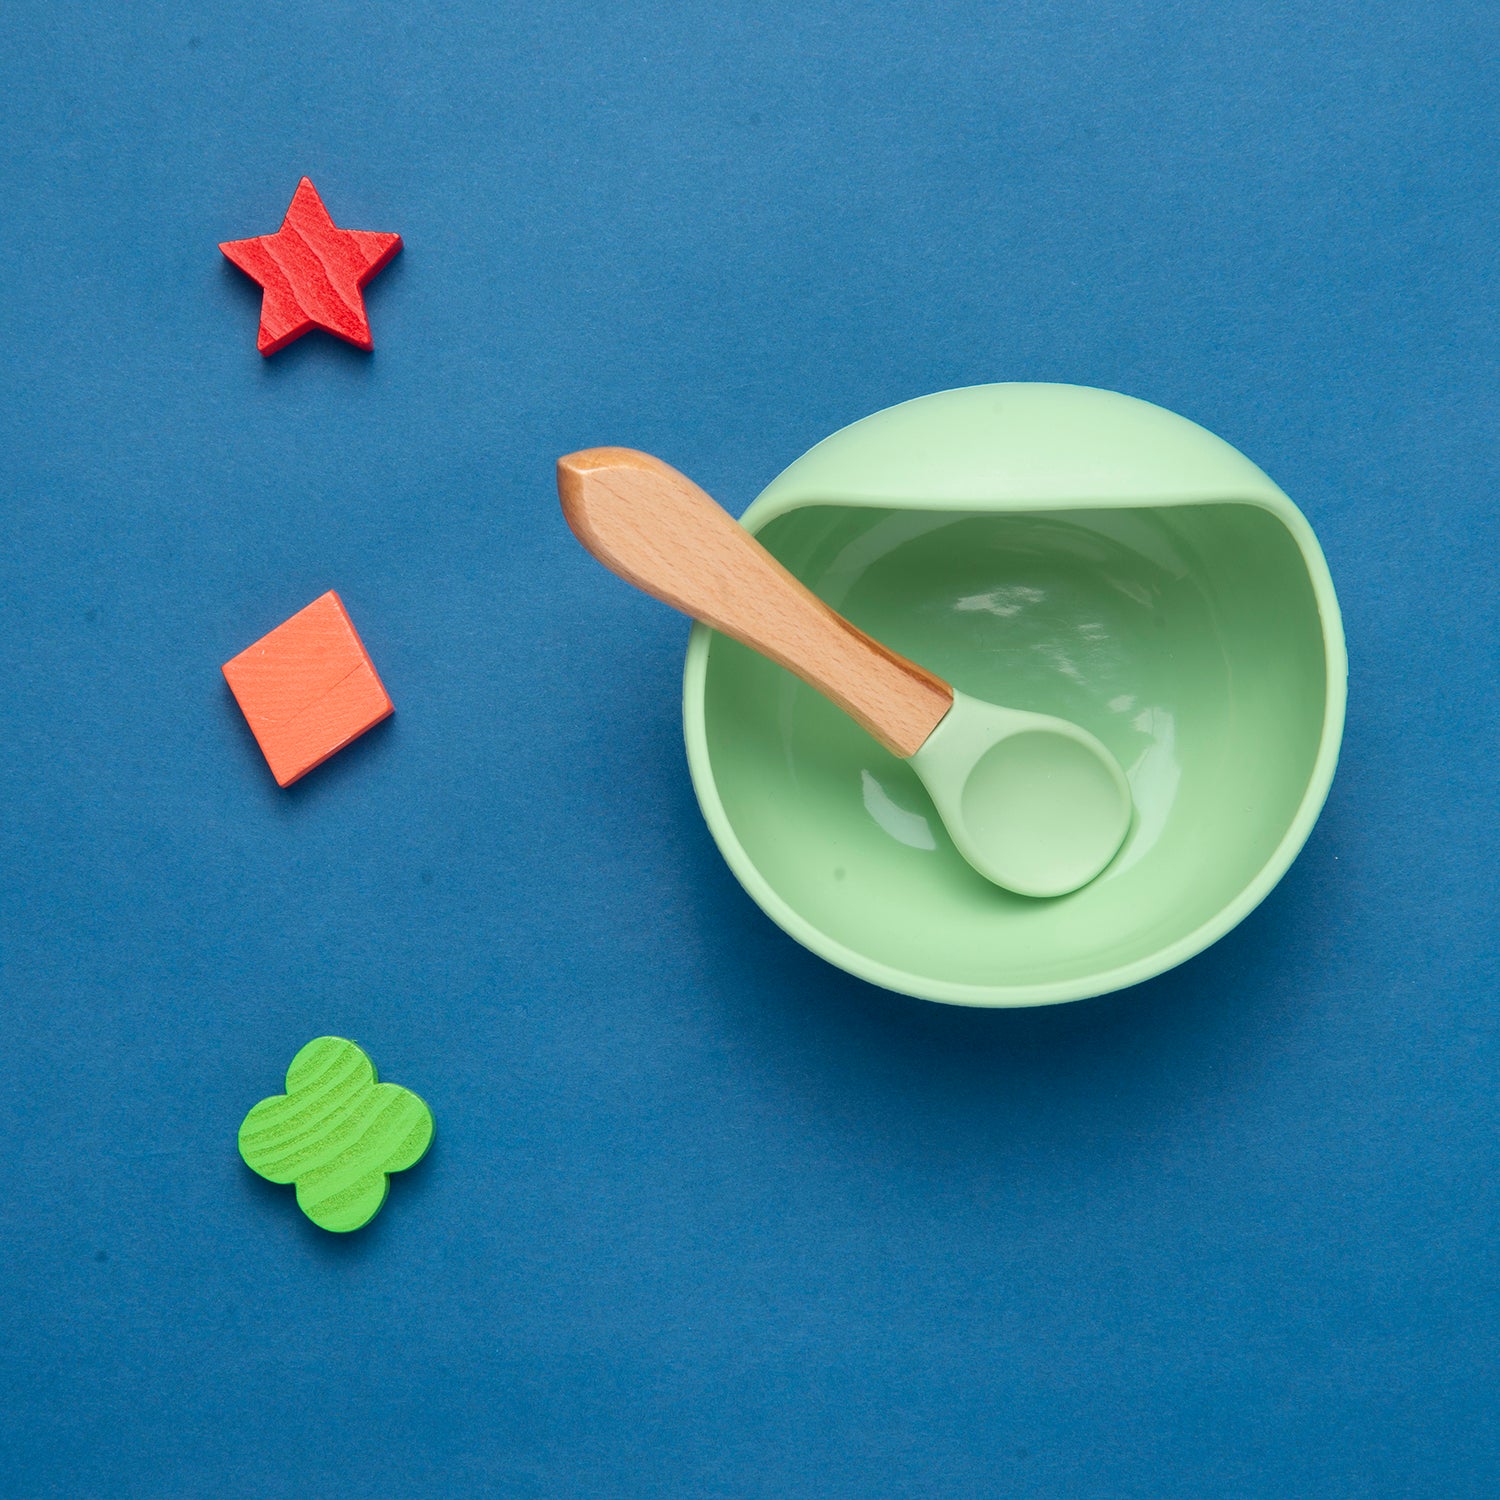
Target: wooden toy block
(337, 1132)
(307, 689)
(312, 273)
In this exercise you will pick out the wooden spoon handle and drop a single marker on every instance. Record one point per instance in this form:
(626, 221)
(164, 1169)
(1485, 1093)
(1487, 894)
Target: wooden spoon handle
(659, 531)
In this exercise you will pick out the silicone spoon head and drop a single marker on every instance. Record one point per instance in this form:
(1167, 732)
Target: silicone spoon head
(1034, 803)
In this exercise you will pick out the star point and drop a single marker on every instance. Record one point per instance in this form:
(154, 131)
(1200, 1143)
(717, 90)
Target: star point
(311, 273)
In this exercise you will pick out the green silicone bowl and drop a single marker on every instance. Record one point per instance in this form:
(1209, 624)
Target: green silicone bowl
(1054, 548)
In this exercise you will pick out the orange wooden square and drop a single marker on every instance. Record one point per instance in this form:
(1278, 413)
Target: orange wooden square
(307, 689)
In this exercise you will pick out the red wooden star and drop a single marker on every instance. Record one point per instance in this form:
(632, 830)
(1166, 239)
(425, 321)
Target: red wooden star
(312, 273)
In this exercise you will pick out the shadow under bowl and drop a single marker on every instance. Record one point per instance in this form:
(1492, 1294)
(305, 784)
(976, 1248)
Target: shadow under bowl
(1054, 548)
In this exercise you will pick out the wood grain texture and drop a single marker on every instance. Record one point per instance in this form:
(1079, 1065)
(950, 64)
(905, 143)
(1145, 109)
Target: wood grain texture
(659, 531)
(312, 272)
(307, 689)
(337, 1133)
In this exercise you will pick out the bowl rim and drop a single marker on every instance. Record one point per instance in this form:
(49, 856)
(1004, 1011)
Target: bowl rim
(790, 491)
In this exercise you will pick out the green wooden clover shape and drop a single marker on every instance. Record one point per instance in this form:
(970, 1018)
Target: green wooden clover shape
(336, 1133)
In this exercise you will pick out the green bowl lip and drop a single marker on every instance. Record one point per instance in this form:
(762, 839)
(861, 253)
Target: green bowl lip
(785, 494)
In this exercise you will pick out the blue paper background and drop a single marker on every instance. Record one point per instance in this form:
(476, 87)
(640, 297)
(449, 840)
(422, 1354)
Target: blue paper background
(706, 1217)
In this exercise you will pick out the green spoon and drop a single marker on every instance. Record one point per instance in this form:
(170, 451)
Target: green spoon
(1034, 803)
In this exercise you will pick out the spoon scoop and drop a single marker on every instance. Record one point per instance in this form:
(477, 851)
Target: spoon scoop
(1034, 803)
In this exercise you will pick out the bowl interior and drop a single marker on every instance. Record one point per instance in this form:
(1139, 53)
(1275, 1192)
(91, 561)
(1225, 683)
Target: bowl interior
(1186, 637)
